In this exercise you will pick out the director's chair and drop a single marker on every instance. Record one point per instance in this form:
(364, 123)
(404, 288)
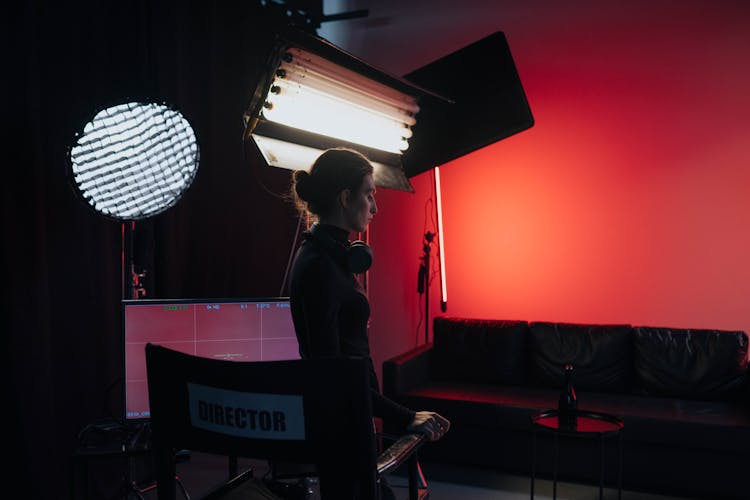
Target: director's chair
(310, 412)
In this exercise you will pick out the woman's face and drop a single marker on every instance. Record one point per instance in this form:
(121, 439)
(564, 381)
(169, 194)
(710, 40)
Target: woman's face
(360, 205)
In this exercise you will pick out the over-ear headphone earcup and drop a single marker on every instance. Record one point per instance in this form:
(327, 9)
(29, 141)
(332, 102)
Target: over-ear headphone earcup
(359, 256)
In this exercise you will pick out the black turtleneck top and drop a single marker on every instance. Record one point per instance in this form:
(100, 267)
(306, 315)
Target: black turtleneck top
(331, 312)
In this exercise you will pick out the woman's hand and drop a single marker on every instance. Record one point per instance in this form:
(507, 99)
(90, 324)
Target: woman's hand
(429, 423)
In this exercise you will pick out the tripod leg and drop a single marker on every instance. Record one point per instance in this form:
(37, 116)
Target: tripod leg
(420, 474)
(182, 488)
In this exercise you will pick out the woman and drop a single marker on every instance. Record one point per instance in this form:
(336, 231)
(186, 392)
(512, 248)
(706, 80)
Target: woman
(329, 308)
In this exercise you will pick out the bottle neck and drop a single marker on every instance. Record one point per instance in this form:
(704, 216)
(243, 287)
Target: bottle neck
(568, 375)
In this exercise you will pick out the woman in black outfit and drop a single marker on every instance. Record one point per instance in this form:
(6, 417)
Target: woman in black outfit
(329, 308)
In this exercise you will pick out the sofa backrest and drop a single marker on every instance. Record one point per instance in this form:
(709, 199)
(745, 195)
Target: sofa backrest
(614, 358)
(601, 355)
(479, 351)
(699, 364)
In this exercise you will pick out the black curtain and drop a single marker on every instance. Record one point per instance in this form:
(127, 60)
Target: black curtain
(229, 236)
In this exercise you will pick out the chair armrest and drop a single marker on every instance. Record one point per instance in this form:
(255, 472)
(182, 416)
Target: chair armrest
(406, 371)
(397, 453)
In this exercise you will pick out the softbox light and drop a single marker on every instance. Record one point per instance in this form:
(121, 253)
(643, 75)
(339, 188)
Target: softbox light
(134, 160)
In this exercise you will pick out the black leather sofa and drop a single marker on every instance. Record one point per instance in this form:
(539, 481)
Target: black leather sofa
(683, 394)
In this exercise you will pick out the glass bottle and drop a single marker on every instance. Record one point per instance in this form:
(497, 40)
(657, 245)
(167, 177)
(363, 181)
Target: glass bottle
(568, 403)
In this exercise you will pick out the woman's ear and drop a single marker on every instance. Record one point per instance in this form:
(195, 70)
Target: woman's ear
(345, 197)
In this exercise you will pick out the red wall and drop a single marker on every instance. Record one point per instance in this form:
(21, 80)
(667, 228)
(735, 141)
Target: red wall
(627, 202)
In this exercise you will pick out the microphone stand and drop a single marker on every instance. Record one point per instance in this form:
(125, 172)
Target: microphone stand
(424, 282)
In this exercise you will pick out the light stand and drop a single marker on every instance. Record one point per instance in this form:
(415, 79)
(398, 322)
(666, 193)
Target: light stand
(132, 280)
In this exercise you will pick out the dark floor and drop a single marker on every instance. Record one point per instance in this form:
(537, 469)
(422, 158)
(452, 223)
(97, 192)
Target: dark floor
(445, 482)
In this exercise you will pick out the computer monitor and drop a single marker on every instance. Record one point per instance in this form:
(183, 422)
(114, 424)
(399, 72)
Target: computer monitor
(255, 329)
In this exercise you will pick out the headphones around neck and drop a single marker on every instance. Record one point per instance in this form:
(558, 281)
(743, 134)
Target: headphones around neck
(357, 254)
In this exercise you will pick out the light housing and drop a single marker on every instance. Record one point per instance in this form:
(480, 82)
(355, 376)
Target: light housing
(314, 96)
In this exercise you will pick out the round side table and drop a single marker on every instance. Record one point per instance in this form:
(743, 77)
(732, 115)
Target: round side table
(583, 424)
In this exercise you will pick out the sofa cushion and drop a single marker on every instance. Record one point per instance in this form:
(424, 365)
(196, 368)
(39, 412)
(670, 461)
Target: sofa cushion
(709, 424)
(601, 355)
(475, 350)
(488, 406)
(694, 364)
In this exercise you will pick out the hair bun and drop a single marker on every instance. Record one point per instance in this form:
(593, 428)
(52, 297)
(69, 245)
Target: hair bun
(302, 184)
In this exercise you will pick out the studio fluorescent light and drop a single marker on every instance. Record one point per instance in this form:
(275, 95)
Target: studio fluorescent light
(316, 96)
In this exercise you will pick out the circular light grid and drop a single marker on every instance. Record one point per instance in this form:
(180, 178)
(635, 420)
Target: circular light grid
(135, 160)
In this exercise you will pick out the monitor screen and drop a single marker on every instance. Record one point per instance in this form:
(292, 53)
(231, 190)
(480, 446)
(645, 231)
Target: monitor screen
(230, 329)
